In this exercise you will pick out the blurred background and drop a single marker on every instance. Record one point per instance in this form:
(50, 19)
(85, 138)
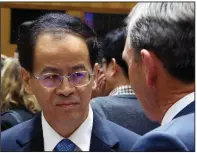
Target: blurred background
(102, 16)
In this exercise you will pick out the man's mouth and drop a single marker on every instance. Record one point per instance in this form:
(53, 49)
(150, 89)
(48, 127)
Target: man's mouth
(67, 105)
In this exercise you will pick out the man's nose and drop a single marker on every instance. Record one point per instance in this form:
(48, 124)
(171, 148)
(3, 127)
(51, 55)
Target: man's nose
(65, 87)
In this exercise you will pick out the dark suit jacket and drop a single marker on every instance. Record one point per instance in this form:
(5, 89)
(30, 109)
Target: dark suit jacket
(124, 110)
(178, 135)
(14, 117)
(106, 136)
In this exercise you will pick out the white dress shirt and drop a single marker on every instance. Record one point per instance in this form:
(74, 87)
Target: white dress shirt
(81, 137)
(177, 107)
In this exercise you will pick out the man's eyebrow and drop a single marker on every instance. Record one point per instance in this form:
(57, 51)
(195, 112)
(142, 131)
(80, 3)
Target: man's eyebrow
(50, 69)
(77, 67)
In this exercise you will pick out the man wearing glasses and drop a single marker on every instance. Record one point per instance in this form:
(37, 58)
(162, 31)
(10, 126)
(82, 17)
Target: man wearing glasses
(56, 67)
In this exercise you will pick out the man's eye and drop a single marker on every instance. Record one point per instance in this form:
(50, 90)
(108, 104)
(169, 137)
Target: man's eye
(79, 75)
(51, 77)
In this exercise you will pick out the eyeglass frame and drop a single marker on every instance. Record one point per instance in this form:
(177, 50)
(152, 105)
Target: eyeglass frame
(62, 79)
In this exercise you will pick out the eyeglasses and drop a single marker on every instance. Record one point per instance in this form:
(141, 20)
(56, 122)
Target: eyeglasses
(77, 79)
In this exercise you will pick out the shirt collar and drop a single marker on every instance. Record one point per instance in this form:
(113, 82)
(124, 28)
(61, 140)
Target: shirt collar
(81, 137)
(122, 90)
(177, 107)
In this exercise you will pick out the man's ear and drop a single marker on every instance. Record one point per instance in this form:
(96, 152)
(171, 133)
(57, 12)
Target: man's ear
(25, 76)
(149, 67)
(114, 66)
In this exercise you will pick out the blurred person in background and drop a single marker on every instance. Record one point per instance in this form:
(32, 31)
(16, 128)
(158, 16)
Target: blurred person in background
(3, 57)
(16, 104)
(97, 62)
(118, 102)
(160, 53)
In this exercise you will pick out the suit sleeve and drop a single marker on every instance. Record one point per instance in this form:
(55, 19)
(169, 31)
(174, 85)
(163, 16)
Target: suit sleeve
(7, 121)
(159, 142)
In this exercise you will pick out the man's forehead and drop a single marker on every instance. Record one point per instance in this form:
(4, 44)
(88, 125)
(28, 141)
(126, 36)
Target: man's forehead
(59, 70)
(127, 43)
(126, 52)
(44, 38)
(53, 55)
(47, 43)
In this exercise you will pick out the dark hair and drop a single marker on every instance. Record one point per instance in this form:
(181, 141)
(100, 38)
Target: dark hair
(52, 23)
(95, 50)
(168, 33)
(113, 47)
(24, 27)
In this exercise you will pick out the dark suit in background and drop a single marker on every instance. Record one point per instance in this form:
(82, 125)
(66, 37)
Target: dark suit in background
(124, 110)
(106, 136)
(14, 117)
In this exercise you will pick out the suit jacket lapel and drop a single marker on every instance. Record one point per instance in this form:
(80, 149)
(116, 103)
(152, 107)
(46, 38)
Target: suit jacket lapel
(102, 138)
(32, 137)
(187, 110)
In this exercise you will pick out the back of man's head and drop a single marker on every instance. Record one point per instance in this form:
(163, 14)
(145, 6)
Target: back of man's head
(113, 47)
(167, 30)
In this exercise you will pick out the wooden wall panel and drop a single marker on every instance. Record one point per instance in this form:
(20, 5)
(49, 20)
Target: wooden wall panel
(107, 7)
(6, 48)
(74, 8)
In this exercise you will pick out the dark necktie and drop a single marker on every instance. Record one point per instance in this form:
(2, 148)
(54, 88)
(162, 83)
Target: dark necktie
(65, 145)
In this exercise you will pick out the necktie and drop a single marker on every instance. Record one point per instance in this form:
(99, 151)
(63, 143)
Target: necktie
(65, 145)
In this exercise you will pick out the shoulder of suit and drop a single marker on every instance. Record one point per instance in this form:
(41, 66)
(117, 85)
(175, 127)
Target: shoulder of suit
(110, 98)
(178, 123)
(182, 127)
(15, 131)
(178, 135)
